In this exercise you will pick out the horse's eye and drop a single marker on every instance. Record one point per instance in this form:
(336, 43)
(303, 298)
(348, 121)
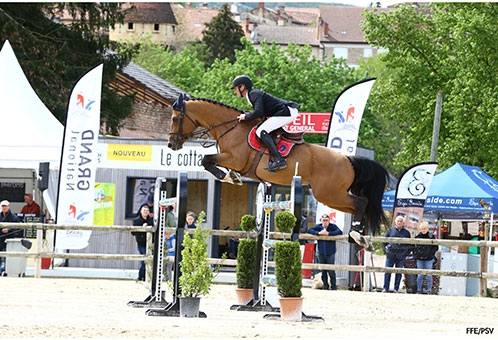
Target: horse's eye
(175, 119)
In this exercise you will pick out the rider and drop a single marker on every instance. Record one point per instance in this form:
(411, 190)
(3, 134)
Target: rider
(279, 112)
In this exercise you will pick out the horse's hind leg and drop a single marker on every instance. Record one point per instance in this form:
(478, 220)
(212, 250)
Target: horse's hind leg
(355, 235)
(360, 207)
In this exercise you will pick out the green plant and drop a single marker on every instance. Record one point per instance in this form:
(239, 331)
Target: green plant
(248, 222)
(288, 268)
(196, 275)
(246, 263)
(285, 221)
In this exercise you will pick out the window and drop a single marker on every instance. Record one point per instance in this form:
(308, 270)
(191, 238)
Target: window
(367, 52)
(131, 27)
(156, 27)
(137, 191)
(341, 52)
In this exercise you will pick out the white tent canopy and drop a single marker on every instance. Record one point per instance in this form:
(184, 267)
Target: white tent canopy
(30, 134)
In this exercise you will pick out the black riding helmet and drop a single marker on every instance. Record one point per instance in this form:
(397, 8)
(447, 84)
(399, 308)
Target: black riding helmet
(242, 80)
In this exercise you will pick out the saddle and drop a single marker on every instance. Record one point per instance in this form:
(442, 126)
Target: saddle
(284, 141)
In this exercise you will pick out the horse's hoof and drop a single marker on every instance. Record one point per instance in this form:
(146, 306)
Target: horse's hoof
(356, 236)
(227, 179)
(236, 178)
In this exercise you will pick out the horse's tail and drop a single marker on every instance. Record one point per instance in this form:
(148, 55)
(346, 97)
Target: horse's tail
(370, 181)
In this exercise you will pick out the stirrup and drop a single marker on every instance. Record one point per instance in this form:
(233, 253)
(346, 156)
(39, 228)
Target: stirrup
(276, 165)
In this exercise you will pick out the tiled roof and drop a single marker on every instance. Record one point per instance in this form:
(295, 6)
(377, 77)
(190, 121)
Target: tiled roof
(151, 12)
(344, 23)
(193, 20)
(305, 16)
(288, 34)
(152, 82)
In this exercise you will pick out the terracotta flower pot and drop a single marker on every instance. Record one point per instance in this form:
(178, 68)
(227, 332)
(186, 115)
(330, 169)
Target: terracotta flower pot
(244, 295)
(291, 308)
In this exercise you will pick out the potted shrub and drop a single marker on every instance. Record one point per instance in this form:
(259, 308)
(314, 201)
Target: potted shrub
(246, 262)
(285, 221)
(288, 270)
(196, 276)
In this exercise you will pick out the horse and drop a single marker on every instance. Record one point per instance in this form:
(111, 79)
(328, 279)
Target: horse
(350, 184)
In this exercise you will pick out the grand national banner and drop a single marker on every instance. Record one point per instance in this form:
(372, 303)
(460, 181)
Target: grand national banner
(411, 193)
(75, 204)
(344, 127)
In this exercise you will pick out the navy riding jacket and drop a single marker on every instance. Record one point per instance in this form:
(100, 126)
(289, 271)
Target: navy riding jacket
(266, 105)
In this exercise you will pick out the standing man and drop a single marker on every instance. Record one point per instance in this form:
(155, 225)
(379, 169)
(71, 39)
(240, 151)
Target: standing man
(425, 256)
(326, 249)
(5, 233)
(395, 253)
(143, 220)
(31, 206)
(276, 111)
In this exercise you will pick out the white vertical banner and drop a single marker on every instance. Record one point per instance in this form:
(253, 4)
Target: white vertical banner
(343, 132)
(411, 193)
(75, 204)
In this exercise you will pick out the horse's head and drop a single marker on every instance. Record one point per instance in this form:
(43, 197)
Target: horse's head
(216, 119)
(182, 125)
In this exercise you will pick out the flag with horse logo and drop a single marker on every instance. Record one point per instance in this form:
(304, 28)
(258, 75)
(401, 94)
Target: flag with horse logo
(344, 127)
(75, 204)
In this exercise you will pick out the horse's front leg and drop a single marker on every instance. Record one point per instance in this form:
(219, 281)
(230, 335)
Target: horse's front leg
(209, 162)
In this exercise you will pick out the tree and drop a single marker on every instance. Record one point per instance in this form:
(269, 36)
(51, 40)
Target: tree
(448, 47)
(53, 55)
(221, 38)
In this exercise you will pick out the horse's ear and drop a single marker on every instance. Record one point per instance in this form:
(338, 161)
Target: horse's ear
(180, 102)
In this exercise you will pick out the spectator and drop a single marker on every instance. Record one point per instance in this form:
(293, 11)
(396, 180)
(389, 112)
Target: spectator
(6, 215)
(170, 216)
(190, 220)
(169, 245)
(149, 204)
(395, 253)
(143, 220)
(234, 246)
(31, 206)
(425, 256)
(326, 249)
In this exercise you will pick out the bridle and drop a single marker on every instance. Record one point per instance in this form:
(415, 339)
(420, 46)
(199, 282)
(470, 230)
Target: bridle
(179, 105)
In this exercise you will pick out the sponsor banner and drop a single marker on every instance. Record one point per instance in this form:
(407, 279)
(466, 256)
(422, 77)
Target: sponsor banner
(105, 202)
(411, 193)
(344, 127)
(152, 157)
(310, 122)
(75, 205)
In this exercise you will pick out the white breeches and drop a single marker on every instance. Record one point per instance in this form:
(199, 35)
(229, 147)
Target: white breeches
(274, 123)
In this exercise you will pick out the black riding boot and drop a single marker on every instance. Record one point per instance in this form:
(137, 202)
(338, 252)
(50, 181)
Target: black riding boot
(278, 161)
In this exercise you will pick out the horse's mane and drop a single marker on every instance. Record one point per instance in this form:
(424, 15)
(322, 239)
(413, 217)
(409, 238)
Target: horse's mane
(218, 103)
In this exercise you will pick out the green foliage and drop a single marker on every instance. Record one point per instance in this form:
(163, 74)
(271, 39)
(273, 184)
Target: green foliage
(221, 38)
(288, 269)
(53, 56)
(196, 275)
(246, 263)
(248, 223)
(447, 47)
(285, 221)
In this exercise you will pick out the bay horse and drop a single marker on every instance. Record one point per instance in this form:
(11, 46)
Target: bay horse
(350, 184)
